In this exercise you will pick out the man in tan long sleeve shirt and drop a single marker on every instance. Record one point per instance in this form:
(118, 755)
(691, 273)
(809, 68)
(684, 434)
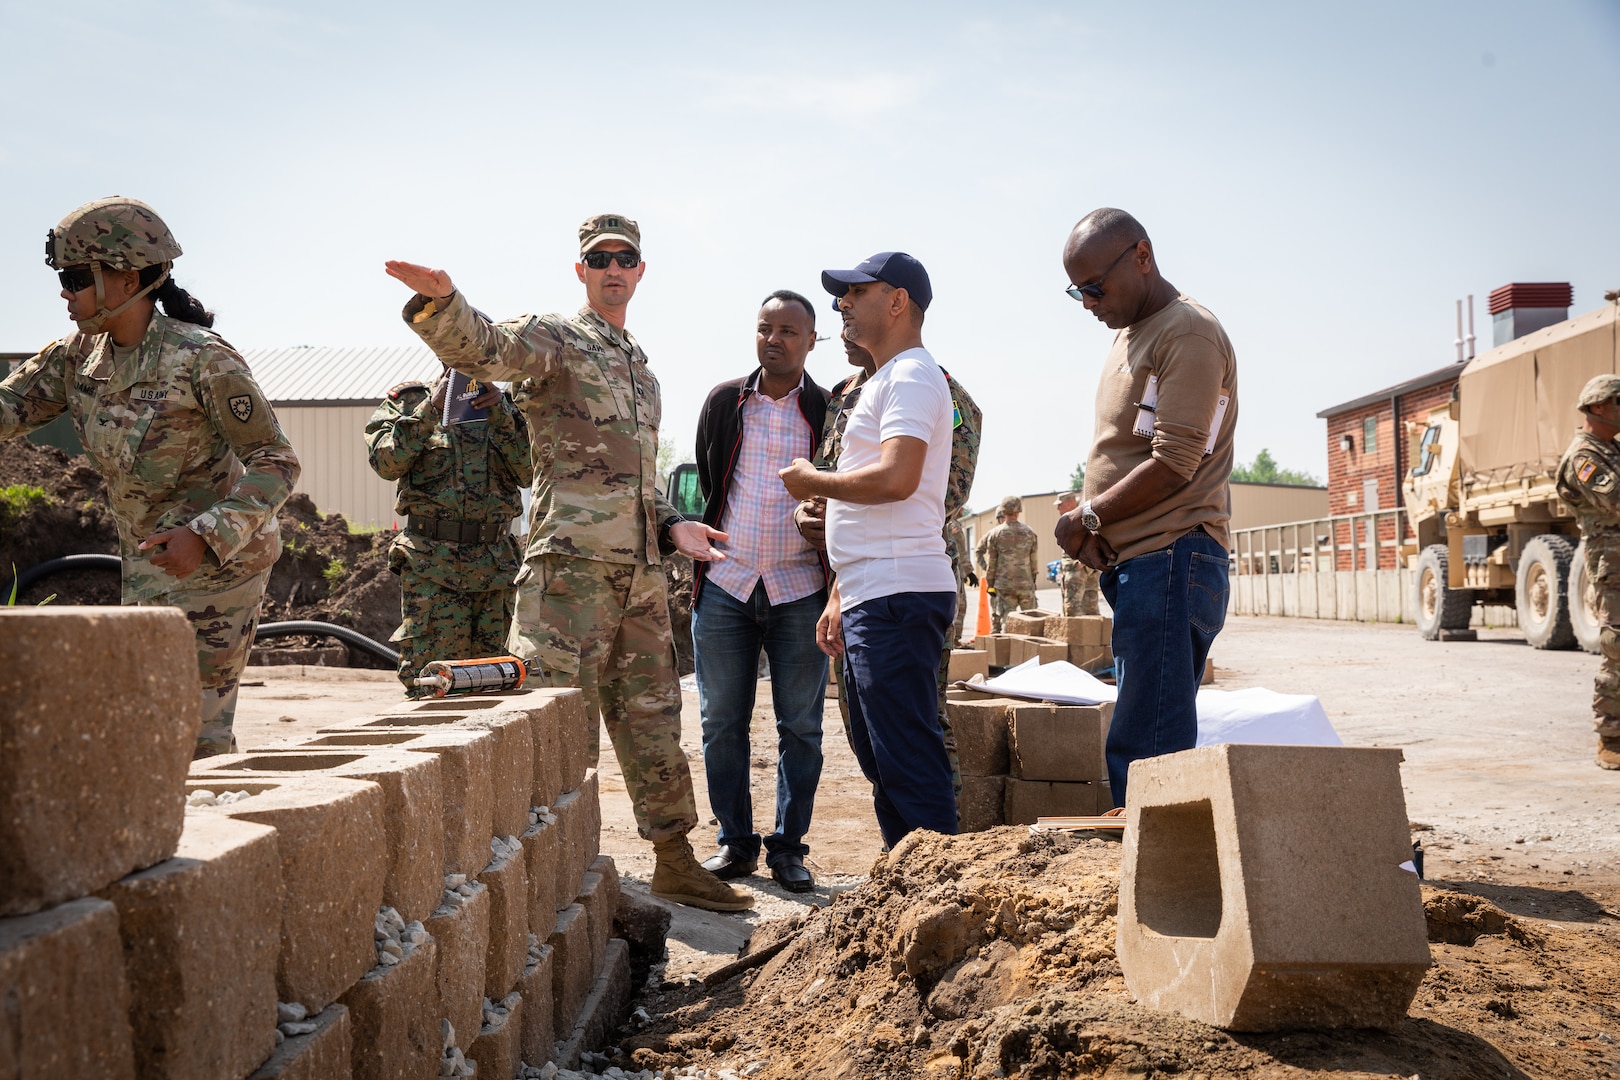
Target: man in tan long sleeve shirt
(1156, 509)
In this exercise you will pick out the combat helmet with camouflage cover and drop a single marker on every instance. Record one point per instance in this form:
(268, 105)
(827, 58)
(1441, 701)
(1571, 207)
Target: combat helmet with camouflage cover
(1012, 504)
(117, 232)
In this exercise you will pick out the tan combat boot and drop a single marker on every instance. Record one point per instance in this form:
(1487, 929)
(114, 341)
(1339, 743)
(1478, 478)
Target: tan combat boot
(1608, 755)
(679, 878)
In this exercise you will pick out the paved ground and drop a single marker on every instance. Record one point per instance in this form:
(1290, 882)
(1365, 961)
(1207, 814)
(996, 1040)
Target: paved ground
(1499, 758)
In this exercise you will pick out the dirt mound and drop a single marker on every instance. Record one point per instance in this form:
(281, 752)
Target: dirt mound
(992, 955)
(330, 574)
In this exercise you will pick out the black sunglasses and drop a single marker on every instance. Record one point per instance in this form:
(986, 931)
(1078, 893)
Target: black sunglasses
(1095, 289)
(598, 260)
(76, 280)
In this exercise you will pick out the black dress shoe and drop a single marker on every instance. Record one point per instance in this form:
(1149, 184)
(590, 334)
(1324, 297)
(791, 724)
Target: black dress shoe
(789, 872)
(727, 864)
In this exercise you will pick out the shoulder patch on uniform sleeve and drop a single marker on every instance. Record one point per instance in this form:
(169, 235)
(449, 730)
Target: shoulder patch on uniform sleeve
(397, 392)
(1585, 470)
(240, 406)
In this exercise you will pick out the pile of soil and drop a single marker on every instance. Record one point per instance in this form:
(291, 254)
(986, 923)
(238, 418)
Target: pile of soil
(325, 572)
(992, 955)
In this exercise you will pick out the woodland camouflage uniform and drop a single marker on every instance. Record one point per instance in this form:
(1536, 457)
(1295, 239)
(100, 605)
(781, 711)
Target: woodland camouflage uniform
(1589, 482)
(966, 434)
(455, 555)
(183, 436)
(593, 605)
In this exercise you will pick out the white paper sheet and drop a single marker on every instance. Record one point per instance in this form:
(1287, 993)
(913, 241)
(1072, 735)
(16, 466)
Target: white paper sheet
(1255, 715)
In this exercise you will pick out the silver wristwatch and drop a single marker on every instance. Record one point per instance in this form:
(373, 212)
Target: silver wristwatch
(1089, 518)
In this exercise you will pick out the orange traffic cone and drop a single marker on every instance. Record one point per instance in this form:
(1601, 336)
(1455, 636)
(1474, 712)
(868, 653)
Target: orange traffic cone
(984, 608)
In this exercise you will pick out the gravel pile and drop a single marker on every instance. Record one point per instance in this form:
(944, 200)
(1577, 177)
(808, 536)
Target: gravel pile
(396, 939)
(454, 1062)
(291, 1021)
(541, 814)
(204, 797)
(502, 848)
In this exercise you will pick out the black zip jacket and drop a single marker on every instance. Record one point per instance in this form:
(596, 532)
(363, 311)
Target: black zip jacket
(719, 440)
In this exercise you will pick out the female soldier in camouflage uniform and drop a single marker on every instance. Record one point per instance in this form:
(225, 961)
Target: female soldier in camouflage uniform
(195, 463)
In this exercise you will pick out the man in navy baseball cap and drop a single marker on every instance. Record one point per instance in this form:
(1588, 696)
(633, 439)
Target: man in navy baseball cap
(893, 268)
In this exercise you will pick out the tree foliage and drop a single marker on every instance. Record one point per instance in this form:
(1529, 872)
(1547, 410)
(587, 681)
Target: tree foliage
(1077, 479)
(1265, 470)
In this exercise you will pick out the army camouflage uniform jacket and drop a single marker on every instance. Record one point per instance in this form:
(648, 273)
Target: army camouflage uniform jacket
(593, 410)
(465, 472)
(183, 436)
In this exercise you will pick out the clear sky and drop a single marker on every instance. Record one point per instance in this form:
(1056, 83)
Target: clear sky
(1328, 179)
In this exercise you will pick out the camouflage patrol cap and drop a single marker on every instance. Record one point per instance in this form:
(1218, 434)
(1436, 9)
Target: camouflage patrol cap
(1598, 389)
(1012, 504)
(1066, 496)
(603, 227)
(124, 234)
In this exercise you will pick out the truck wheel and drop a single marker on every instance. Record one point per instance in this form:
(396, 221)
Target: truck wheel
(1439, 607)
(1583, 611)
(1542, 592)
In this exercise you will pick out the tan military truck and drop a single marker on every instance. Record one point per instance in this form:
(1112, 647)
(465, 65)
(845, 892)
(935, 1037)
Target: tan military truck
(1480, 493)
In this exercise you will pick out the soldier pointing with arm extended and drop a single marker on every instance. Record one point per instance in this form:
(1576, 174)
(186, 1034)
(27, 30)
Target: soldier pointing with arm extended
(593, 604)
(1589, 481)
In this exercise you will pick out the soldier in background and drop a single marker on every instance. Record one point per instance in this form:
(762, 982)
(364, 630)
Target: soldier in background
(1589, 481)
(458, 491)
(1077, 582)
(1010, 567)
(195, 463)
(593, 601)
(983, 546)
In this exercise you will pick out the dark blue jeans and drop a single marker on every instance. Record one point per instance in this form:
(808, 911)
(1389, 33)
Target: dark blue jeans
(1168, 606)
(892, 646)
(727, 636)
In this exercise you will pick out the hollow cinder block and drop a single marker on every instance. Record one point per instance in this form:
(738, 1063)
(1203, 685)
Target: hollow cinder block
(394, 1014)
(997, 647)
(542, 849)
(966, 663)
(571, 973)
(1030, 622)
(64, 1006)
(323, 1054)
(1042, 650)
(536, 988)
(413, 800)
(1025, 801)
(460, 927)
(980, 727)
(98, 724)
(982, 804)
(334, 857)
(1263, 888)
(201, 935)
(498, 1048)
(1059, 742)
(511, 771)
(508, 885)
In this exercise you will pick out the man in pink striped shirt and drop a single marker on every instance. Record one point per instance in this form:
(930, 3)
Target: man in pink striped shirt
(766, 594)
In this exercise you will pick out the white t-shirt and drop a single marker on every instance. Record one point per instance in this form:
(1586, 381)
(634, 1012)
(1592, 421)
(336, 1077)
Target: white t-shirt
(900, 546)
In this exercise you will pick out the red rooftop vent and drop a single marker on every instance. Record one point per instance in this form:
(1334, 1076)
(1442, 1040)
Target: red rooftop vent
(1532, 294)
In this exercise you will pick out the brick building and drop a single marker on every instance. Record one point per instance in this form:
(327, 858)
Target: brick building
(1369, 455)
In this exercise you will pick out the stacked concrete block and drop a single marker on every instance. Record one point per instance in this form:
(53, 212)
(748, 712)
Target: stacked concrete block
(966, 663)
(1027, 801)
(536, 988)
(498, 1050)
(394, 1015)
(460, 928)
(413, 799)
(322, 1054)
(571, 974)
(997, 648)
(93, 766)
(579, 821)
(1088, 638)
(201, 937)
(1029, 623)
(542, 849)
(980, 726)
(66, 1004)
(545, 732)
(604, 1006)
(334, 858)
(1058, 768)
(1270, 887)
(1042, 650)
(507, 881)
(511, 768)
(576, 723)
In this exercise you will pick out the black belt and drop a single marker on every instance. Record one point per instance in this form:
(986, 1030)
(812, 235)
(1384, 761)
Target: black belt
(460, 532)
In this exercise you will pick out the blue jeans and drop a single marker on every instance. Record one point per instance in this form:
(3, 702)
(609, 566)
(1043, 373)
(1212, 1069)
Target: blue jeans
(727, 636)
(892, 646)
(1168, 606)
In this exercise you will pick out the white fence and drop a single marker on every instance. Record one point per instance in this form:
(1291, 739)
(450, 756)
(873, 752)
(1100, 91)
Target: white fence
(1345, 568)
